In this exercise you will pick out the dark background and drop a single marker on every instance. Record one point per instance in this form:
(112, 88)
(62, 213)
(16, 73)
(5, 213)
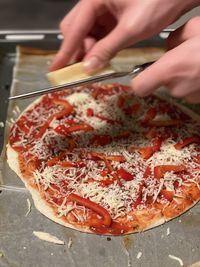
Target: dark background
(33, 14)
(44, 14)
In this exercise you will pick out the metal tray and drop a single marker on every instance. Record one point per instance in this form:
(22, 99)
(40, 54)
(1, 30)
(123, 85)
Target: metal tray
(18, 246)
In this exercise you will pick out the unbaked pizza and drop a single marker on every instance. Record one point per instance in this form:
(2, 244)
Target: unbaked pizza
(101, 160)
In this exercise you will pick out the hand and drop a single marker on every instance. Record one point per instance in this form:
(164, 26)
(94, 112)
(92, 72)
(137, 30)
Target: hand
(178, 69)
(97, 30)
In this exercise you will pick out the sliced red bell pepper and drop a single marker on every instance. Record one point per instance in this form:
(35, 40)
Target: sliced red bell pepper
(117, 158)
(165, 123)
(68, 108)
(146, 152)
(160, 170)
(101, 140)
(107, 182)
(62, 129)
(90, 112)
(103, 118)
(108, 165)
(122, 135)
(106, 218)
(151, 133)
(167, 194)
(187, 141)
(104, 173)
(132, 109)
(147, 172)
(101, 156)
(157, 142)
(120, 101)
(58, 161)
(150, 115)
(125, 175)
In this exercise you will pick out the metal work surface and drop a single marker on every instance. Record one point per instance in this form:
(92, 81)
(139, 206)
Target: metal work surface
(20, 248)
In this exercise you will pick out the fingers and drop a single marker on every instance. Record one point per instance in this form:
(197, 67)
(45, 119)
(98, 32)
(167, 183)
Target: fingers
(185, 32)
(154, 76)
(106, 48)
(193, 98)
(178, 69)
(75, 27)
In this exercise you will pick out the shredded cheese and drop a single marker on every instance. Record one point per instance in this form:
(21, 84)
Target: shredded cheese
(117, 200)
(139, 255)
(29, 207)
(177, 259)
(48, 237)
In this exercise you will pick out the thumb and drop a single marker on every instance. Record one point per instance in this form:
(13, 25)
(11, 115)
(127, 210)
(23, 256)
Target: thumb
(105, 49)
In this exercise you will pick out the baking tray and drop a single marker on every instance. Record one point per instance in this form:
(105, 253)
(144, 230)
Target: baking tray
(18, 246)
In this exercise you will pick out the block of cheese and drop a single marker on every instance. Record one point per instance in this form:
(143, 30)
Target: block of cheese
(73, 73)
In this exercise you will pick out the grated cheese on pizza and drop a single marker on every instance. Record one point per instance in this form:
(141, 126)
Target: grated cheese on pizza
(100, 152)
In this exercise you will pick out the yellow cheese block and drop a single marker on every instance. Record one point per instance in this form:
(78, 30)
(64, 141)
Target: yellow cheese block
(73, 73)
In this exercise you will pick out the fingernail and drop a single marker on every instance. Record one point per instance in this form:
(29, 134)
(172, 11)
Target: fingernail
(92, 63)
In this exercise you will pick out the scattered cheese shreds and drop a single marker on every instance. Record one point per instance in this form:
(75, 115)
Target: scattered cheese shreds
(29, 207)
(139, 255)
(48, 237)
(168, 231)
(69, 245)
(1, 124)
(177, 259)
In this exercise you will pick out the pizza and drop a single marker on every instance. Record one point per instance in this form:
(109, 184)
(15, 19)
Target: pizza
(100, 160)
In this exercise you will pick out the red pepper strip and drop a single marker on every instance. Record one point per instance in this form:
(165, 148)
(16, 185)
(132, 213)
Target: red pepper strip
(110, 170)
(122, 135)
(54, 160)
(68, 108)
(160, 170)
(117, 158)
(67, 111)
(132, 109)
(72, 144)
(120, 101)
(90, 112)
(58, 161)
(166, 123)
(157, 142)
(93, 206)
(151, 133)
(187, 141)
(167, 194)
(104, 173)
(103, 118)
(125, 175)
(107, 182)
(147, 172)
(75, 164)
(108, 165)
(146, 152)
(101, 140)
(137, 201)
(150, 115)
(101, 156)
(61, 129)
(24, 125)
